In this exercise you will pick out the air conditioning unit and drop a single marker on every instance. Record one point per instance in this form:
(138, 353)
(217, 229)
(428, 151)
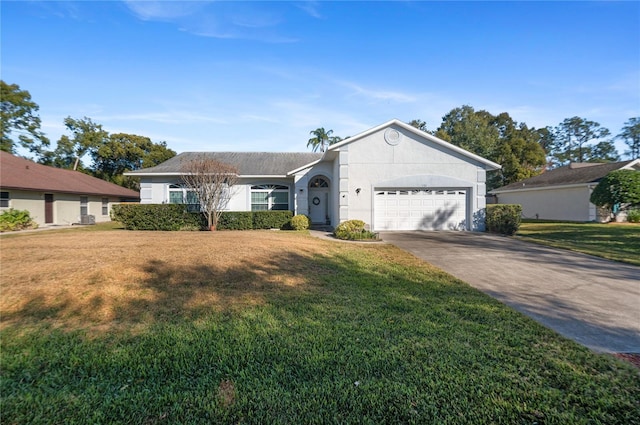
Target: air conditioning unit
(87, 219)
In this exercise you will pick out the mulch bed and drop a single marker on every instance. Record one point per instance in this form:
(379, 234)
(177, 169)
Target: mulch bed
(634, 359)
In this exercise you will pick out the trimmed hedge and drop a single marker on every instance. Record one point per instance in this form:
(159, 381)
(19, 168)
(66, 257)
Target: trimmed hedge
(271, 219)
(503, 218)
(236, 220)
(156, 217)
(173, 217)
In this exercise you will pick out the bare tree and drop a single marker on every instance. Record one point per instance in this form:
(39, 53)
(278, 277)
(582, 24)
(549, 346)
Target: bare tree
(212, 181)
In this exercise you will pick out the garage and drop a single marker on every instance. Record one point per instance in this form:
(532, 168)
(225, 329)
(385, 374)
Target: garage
(420, 209)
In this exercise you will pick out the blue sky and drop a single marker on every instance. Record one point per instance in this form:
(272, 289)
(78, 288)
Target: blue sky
(259, 76)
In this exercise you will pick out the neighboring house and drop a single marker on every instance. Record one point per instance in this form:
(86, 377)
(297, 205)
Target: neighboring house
(54, 196)
(393, 177)
(562, 193)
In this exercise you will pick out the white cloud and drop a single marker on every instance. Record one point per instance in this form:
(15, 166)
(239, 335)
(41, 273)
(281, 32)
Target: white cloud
(165, 10)
(377, 94)
(227, 20)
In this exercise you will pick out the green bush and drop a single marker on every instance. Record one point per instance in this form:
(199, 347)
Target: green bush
(503, 218)
(12, 219)
(156, 217)
(353, 230)
(177, 217)
(271, 219)
(300, 222)
(236, 220)
(633, 216)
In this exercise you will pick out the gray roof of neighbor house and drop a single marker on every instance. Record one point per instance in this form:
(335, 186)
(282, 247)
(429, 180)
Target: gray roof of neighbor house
(575, 173)
(22, 174)
(247, 163)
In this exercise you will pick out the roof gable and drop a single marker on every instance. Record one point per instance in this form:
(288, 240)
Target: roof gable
(23, 174)
(490, 165)
(572, 174)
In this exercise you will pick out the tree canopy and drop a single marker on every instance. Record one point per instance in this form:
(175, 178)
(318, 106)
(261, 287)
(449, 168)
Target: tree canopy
(123, 152)
(18, 117)
(322, 139)
(499, 138)
(618, 188)
(630, 134)
(580, 140)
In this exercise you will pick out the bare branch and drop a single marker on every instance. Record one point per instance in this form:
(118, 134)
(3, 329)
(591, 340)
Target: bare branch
(213, 183)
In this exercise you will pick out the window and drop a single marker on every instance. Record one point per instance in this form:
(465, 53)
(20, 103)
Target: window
(269, 197)
(4, 199)
(318, 182)
(84, 205)
(105, 206)
(181, 195)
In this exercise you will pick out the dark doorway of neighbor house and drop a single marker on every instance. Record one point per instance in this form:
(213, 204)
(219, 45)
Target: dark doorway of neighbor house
(48, 208)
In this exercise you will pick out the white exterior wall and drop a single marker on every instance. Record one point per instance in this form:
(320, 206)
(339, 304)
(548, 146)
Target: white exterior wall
(569, 203)
(414, 162)
(155, 190)
(66, 206)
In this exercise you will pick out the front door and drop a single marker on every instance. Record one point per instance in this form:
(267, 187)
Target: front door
(318, 211)
(48, 208)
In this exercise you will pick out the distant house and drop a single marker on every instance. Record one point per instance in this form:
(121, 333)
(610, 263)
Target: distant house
(562, 193)
(54, 196)
(392, 177)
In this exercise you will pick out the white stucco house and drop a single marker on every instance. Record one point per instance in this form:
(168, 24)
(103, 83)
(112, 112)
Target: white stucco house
(562, 193)
(393, 177)
(54, 196)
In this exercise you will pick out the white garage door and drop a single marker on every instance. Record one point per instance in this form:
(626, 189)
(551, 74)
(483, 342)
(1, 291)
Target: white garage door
(420, 209)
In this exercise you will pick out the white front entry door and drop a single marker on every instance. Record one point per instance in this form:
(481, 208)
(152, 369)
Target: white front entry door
(318, 205)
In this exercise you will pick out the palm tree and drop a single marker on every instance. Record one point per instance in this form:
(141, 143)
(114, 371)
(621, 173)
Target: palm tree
(322, 138)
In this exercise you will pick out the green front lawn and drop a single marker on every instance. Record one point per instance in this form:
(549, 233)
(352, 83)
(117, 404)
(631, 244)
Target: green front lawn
(614, 241)
(320, 332)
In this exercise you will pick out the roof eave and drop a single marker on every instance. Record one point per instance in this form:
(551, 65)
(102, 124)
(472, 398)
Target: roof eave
(546, 187)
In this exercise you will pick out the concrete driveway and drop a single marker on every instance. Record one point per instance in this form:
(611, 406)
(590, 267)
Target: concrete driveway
(593, 301)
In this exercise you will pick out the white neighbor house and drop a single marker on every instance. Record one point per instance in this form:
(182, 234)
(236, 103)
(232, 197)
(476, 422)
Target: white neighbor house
(562, 193)
(393, 177)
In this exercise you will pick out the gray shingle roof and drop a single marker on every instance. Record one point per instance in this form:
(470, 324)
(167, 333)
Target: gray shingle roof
(248, 163)
(569, 174)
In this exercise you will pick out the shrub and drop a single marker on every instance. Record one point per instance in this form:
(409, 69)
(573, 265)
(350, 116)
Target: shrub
(271, 219)
(353, 230)
(503, 218)
(236, 220)
(156, 217)
(12, 219)
(633, 216)
(300, 222)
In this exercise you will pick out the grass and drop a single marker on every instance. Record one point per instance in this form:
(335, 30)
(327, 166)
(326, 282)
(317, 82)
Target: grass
(614, 241)
(276, 327)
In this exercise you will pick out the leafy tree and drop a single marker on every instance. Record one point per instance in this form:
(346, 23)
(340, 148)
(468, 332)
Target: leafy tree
(619, 188)
(63, 156)
(498, 138)
(571, 142)
(471, 130)
(86, 138)
(604, 151)
(322, 139)
(212, 181)
(420, 125)
(18, 114)
(631, 136)
(127, 152)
